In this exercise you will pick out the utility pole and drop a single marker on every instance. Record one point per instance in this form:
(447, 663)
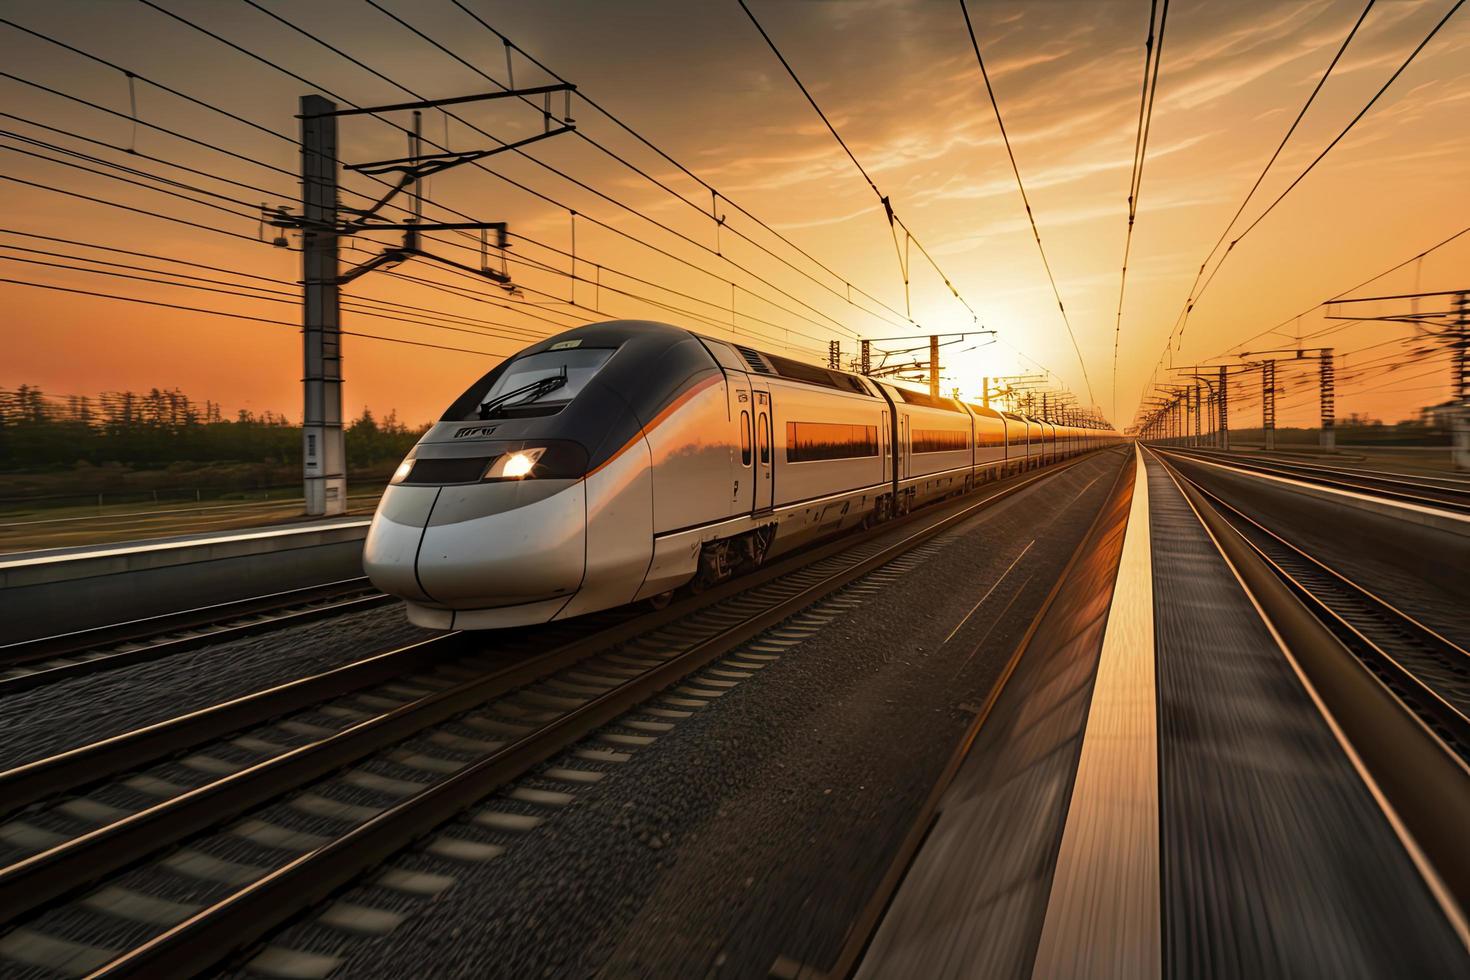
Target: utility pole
(866, 356)
(985, 391)
(934, 365)
(1460, 381)
(834, 354)
(324, 453)
(1451, 328)
(1224, 409)
(322, 226)
(1328, 394)
(1268, 404)
(1196, 413)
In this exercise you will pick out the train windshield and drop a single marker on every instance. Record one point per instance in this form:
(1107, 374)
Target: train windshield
(537, 384)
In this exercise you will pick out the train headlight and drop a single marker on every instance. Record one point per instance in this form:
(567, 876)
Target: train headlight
(404, 468)
(515, 466)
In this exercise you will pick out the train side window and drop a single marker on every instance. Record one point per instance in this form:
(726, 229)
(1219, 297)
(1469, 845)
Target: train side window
(744, 438)
(764, 440)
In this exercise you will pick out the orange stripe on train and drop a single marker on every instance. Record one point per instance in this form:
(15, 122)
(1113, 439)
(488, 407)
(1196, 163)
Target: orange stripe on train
(658, 419)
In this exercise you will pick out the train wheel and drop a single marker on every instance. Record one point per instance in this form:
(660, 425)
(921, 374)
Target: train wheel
(660, 601)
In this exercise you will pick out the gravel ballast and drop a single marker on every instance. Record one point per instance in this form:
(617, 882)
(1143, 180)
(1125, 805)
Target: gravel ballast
(61, 716)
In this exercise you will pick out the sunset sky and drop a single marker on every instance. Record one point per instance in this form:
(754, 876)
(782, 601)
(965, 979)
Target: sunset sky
(898, 79)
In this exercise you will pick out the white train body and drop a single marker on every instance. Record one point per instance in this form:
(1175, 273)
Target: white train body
(639, 457)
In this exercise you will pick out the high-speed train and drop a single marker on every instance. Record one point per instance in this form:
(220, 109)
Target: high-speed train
(619, 461)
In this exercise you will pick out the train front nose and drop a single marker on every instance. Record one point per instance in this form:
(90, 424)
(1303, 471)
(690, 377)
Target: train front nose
(517, 546)
(501, 544)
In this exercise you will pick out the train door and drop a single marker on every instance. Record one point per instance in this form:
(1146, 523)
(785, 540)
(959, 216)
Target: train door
(742, 415)
(883, 436)
(905, 447)
(765, 448)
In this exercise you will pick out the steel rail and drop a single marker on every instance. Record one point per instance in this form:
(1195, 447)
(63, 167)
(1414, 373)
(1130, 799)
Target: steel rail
(89, 656)
(59, 644)
(257, 907)
(77, 768)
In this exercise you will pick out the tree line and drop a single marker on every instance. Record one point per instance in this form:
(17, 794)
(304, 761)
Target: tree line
(163, 426)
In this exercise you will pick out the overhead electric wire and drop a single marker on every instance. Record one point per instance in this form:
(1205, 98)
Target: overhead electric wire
(612, 154)
(240, 316)
(1354, 121)
(1152, 57)
(291, 300)
(477, 164)
(882, 198)
(752, 294)
(1317, 159)
(560, 173)
(196, 101)
(149, 81)
(176, 134)
(352, 304)
(125, 180)
(269, 192)
(1000, 121)
(645, 282)
(1301, 113)
(1351, 289)
(143, 122)
(214, 146)
(125, 207)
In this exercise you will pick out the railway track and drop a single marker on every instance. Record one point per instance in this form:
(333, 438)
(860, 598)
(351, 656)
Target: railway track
(1444, 494)
(45, 660)
(274, 820)
(1383, 682)
(1428, 673)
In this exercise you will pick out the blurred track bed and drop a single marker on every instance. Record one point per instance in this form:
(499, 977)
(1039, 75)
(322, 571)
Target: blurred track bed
(1428, 673)
(31, 663)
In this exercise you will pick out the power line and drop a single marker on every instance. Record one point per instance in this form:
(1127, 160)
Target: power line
(156, 84)
(170, 132)
(1316, 160)
(352, 303)
(1371, 279)
(964, 9)
(645, 282)
(1151, 57)
(715, 193)
(213, 146)
(126, 169)
(124, 207)
(291, 299)
(893, 218)
(269, 192)
(239, 316)
(143, 122)
(1279, 147)
(481, 166)
(545, 166)
(1354, 121)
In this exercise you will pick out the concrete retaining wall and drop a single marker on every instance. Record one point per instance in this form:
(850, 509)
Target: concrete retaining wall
(42, 593)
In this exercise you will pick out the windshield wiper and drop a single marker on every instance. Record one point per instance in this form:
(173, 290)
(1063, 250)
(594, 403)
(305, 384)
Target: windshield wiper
(531, 392)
